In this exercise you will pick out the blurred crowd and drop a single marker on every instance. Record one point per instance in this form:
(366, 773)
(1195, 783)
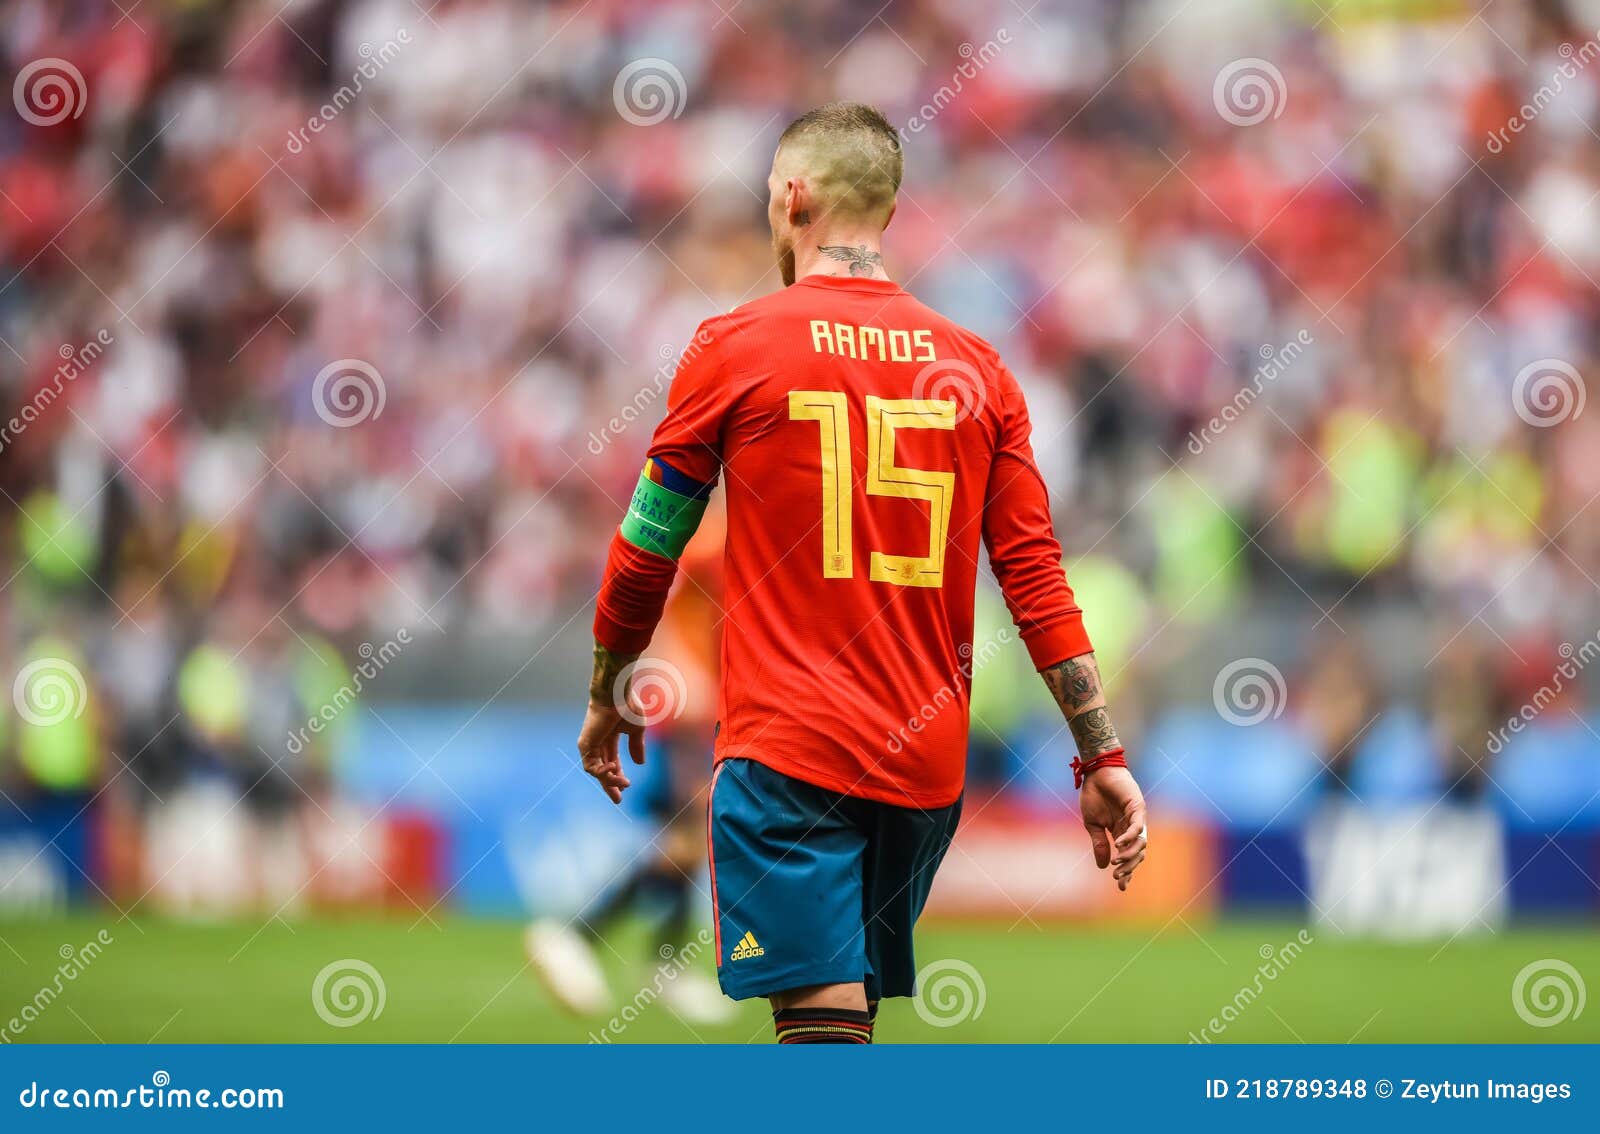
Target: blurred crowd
(336, 318)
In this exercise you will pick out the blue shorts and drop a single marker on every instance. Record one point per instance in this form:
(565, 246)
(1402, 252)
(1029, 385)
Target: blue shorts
(809, 886)
(674, 777)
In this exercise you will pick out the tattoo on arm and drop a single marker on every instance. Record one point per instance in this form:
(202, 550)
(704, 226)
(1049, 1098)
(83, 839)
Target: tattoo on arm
(608, 667)
(1075, 684)
(1094, 732)
(863, 261)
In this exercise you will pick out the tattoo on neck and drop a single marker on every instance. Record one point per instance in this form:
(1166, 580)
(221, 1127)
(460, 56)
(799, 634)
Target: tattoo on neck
(608, 667)
(804, 217)
(863, 261)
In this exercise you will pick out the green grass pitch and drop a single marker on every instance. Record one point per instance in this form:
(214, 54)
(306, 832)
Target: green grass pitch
(465, 981)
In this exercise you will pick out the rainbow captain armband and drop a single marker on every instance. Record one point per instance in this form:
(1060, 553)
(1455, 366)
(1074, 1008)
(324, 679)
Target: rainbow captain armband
(665, 510)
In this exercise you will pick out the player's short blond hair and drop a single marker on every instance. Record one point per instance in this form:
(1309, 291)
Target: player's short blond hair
(850, 154)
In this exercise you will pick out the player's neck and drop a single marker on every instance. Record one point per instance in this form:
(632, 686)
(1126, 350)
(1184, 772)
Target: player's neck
(848, 254)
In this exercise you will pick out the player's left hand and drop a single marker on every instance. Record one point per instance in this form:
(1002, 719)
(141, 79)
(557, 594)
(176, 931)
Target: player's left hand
(1113, 811)
(599, 746)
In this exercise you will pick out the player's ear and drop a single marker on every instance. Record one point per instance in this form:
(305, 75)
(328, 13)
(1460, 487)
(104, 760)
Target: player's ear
(797, 201)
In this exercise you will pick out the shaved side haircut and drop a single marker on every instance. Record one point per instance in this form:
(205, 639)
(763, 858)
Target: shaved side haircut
(850, 153)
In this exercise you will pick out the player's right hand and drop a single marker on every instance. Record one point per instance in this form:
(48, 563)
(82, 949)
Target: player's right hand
(599, 746)
(1113, 812)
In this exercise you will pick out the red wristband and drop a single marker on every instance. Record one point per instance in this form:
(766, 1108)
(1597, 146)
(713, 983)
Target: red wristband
(1082, 768)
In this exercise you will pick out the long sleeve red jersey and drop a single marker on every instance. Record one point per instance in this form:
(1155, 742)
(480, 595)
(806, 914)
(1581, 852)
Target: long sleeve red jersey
(865, 444)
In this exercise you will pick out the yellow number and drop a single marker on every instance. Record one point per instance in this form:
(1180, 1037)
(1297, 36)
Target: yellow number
(884, 478)
(829, 411)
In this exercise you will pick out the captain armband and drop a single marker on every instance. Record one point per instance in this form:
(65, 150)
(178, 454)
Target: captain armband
(665, 510)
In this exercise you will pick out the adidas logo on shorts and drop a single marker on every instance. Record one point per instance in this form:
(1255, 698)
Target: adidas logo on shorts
(747, 947)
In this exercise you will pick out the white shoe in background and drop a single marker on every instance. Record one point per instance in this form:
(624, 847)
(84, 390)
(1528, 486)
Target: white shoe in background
(696, 997)
(568, 967)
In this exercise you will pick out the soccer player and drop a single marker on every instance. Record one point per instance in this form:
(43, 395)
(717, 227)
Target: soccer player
(865, 444)
(662, 878)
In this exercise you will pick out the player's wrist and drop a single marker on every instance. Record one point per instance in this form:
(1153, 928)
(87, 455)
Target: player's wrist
(609, 668)
(1084, 767)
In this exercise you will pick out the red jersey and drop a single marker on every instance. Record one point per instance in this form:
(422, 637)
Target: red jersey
(865, 444)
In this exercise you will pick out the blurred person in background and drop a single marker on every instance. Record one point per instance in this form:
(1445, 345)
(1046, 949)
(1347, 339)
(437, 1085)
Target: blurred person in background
(1465, 701)
(1339, 701)
(136, 659)
(55, 739)
(664, 879)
